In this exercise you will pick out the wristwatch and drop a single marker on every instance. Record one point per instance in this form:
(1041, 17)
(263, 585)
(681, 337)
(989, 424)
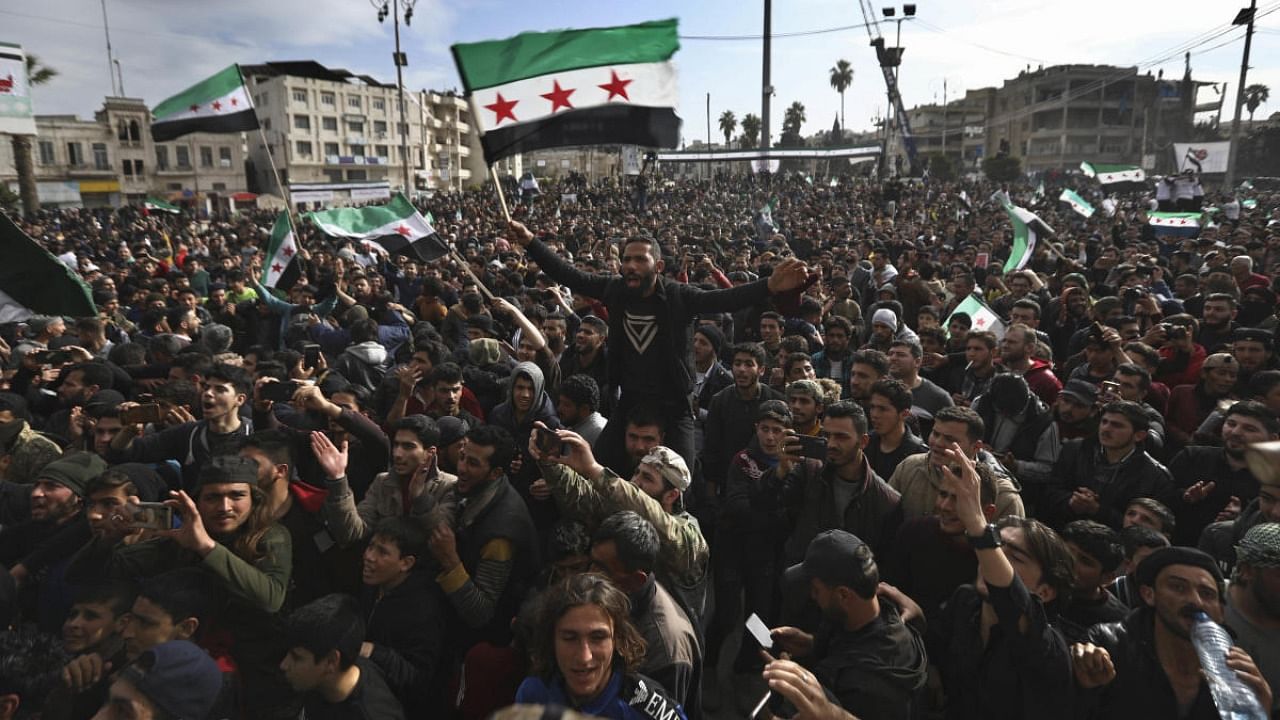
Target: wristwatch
(988, 540)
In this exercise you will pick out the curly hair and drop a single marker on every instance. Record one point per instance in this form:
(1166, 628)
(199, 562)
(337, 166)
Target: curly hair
(574, 591)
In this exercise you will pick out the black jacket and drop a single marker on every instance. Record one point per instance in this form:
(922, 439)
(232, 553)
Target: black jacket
(407, 628)
(1196, 463)
(876, 671)
(1141, 688)
(874, 514)
(1140, 475)
(680, 301)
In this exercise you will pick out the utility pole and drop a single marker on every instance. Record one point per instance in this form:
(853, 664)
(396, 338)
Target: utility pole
(110, 68)
(1244, 17)
(767, 87)
(401, 60)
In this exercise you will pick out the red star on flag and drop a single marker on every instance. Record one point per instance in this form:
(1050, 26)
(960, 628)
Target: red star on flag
(235, 102)
(217, 105)
(287, 251)
(402, 230)
(503, 109)
(616, 86)
(559, 96)
(980, 322)
(194, 108)
(276, 267)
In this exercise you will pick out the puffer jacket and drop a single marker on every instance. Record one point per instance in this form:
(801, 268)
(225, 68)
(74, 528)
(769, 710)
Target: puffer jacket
(363, 364)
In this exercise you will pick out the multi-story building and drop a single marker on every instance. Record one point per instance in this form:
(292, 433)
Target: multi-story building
(339, 138)
(111, 161)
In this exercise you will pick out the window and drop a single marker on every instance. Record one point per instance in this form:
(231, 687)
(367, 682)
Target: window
(124, 130)
(331, 148)
(301, 122)
(127, 166)
(137, 168)
(402, 129)
(357, 150)
(174, 186)
(304, 148)
(327, 98)
(224, 156)
(100, 159)
(353, 102)
(380, 127)
(135, 135)
(380, 150)
(329, 123)
(46, 153)
(333, 176)
(355, 126)
(379, 104)
(357, 175)
(300, 96)
(219, 187)
(182, 156)
(266, 123)
(75, 154)
(206, 157)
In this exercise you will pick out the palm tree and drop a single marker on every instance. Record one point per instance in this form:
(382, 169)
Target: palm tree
(793, 118)
(841, 79)
(37, 74)
(750, 130)
(1255, 95)
(728, 121)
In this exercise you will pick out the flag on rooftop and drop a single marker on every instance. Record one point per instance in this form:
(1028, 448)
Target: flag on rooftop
(1077, 203)
(396, 228)
(218, 104)
(1112, 174)
(599, 86)
(281, 269)
(34, 282)
(1028, 229)
(984, 318)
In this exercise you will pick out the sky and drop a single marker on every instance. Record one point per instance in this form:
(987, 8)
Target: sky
(164, 46)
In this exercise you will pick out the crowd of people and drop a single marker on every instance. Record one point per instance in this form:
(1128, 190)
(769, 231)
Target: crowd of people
(651, 453)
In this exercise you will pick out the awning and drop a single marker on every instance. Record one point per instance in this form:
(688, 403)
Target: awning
(244, 197)
(99, 186)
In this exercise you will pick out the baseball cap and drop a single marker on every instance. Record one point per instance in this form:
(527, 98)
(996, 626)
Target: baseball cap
(836, 557)
(178, 677)
(1081, 391)
(1218, 360)
(670, 466)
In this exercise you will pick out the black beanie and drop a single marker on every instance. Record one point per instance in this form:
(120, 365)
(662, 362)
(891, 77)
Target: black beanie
(713, 336)
(1150, 567)
(74, 470)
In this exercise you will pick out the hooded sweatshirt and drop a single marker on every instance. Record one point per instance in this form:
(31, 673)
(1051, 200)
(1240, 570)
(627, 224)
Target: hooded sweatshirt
(505, 417)
(363, 364)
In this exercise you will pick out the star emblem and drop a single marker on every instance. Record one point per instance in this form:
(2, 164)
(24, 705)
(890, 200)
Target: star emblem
(287, 251)
(559, 96)
(503, 109)
(276, 267)
(235, 102)
(616, 86)
(404, 231)
(194, 108)
(217, 105)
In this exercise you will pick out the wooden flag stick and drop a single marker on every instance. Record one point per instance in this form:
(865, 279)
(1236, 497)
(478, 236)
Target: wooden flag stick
(502, 196)
(462, 262)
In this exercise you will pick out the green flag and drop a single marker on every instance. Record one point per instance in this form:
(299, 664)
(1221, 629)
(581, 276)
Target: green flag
(34, 282)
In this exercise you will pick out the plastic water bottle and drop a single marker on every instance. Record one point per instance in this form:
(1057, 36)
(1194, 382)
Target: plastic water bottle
(1234, 699)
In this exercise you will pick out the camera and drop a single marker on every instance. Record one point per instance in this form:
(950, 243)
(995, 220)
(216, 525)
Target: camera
(1173, 331)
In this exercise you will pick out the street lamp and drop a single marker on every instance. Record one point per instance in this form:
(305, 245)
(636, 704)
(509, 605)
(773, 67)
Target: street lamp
(895, 55)
(392, 8)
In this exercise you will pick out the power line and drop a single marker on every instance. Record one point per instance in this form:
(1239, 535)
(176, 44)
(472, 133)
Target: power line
(934, 28)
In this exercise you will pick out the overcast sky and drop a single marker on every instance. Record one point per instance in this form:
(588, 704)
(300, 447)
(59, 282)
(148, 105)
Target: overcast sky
(167, 45)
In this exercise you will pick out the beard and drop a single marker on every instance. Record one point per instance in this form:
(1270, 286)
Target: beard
(646, 282)
(1170, 619)
(1269, 603)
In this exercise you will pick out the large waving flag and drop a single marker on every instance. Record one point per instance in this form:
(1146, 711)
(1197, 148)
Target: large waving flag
(1180, 224)
(281, 269)
(1028, 229)
(601, 86)
(219, 104)
(396, 227)
(34, 282)
(1077, 203)
(1111, 174)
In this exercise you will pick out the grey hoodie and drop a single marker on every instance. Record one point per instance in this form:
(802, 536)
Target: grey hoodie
(370, 352)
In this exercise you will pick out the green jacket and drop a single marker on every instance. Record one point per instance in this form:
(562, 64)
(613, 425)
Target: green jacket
(683, 556)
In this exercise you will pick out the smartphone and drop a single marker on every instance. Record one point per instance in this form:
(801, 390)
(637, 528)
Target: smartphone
(310, 355)
(151, 516)
(141, 414)
(549, 442)
(760, 631)
(279, 391)
(1110, 387)
(812, 447)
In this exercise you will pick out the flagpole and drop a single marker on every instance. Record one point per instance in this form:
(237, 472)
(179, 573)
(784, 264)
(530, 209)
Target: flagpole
(288, 196)
(462, 262)
(493, 169)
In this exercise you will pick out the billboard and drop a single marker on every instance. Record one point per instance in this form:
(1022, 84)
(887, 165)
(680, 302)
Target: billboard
(1209, 157)
(16, 116)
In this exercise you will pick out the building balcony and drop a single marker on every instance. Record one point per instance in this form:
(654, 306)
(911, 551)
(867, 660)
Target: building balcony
(356, 140)
(90, 171)
(356, 160)
(464, 151)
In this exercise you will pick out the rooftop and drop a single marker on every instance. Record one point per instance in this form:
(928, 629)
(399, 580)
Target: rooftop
(310, 69)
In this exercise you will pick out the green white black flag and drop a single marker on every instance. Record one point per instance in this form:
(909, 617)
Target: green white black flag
(1028, 229)
(34, 282)
(219, 104)
(1077, 203)
(396, 227)
(281, 269)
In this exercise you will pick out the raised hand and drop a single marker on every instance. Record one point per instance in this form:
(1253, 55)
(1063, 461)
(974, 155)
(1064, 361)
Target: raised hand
(332, 459)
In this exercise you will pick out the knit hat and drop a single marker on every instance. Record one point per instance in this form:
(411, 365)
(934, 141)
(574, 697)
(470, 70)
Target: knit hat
(670, 466)
(1162, 558)
(485, 351)
(74, 471)
(1218, 360)
(37, 324)
(178, 677)
(452, 429)
(1260, 547)
(713, 336)
(226, 469)
(886, 317)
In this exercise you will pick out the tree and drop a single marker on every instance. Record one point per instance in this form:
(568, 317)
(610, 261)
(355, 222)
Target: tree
(1255, 95)
(1002, 168)
(37, 74)
(793, 119)
(750, 130)
(841, 79)
(941, 167)
(728, 121)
